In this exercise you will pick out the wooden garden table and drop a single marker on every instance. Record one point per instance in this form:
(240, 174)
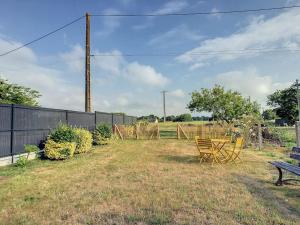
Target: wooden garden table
(218, 144)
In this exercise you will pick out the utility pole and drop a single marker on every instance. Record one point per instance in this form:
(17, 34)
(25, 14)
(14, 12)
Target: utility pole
(87, 65)
(297, 125)
(298, 99)
(164, 104)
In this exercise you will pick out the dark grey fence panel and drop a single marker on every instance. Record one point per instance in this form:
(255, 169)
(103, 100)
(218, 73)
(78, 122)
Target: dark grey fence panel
(133, 119)
(104, 118)
(20, 125)
(32, 137)
(5, 117)
(127, 120)
(5, 148)
(5, 130)
(81, 119)
(118, 119)
(37, 118)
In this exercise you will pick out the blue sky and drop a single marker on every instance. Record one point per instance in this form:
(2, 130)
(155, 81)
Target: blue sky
(54, 65)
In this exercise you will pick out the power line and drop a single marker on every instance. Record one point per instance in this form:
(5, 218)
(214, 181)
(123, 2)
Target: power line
(41, 37)
(151, 15)
(196, 13)
(221, 52)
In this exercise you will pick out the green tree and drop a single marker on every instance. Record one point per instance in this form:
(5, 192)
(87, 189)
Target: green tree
(224, 105)
(17, 94)
(183, 118)
(284, 103)
(269, 114)
(170, 118)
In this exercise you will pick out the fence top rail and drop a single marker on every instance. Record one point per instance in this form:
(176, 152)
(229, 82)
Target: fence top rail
(59, 110)
(5, 105)
(79, 112)
(35, 108)
(104, 113)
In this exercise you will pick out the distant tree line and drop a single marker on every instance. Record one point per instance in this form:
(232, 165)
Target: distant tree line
(186, 117)
(227, 105)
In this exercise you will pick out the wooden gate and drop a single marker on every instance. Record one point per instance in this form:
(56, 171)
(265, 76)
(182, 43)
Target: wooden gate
(142, 131)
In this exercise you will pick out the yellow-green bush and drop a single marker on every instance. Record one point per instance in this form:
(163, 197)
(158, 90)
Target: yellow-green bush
(84, 140)
(54, 150)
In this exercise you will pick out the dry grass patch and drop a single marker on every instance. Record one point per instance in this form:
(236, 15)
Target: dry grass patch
(147, 182)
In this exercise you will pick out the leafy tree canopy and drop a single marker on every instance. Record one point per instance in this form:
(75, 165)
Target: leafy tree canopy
(183, 118)
(269, 114)
(284, 103)
(17, 94)
(224, 105)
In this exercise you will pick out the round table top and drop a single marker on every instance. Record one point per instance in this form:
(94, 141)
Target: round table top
(219, 140)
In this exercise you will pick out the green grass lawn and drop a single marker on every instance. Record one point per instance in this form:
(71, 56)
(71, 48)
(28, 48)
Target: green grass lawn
(147, 182)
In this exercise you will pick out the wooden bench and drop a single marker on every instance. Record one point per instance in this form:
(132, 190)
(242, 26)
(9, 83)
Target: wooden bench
(288, 167)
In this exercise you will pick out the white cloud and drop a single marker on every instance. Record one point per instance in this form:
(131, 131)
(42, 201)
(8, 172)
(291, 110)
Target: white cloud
(111, 62)
(172, 7)
(250, 83)
(169, 7)
(74, 58)
(276, 32)
(143, 74)
(177, 93)
(215, 13)
(115, 64)
(109, 24)
(176, 35)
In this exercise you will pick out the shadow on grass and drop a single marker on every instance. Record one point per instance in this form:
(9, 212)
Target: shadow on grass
(264, 191)
(187, 159)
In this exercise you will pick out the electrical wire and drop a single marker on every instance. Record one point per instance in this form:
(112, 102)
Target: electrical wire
(196, 13)
(42, 37)
(152, 15)
(221, 52)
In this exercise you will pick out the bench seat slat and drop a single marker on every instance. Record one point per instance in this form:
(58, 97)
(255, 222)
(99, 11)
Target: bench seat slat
(287, 166)
(296, 149)
(295, 156)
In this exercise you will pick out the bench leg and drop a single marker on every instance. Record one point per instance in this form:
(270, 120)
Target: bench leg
(279, 181)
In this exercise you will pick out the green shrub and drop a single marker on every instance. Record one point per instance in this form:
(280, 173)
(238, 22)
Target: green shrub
(104, 130)
(63, 133)
(102, 134)
(55, 150)
(22, 161)
(30, 149)
(84, 140)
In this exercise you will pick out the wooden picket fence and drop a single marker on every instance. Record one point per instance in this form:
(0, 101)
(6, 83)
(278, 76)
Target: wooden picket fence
(138, 131)
(189, 131)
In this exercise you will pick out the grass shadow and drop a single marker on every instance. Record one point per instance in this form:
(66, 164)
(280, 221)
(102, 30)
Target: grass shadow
(264, 191)
(186, 159)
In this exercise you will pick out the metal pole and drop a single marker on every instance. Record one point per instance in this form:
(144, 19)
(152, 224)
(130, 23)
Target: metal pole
(164, 104)
(87, 66)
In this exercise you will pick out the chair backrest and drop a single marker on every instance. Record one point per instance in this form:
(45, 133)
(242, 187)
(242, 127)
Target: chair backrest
(203, 143)
(239, 144)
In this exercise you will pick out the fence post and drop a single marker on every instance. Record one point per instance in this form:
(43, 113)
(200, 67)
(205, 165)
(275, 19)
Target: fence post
(67, 117)
(95, 119)
(12, 132)
(259, 137)
(297, 126)
(112, 121)
(124, 118)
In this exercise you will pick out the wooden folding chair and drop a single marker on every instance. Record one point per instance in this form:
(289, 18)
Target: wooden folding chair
(206, 150)
(233, 153)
